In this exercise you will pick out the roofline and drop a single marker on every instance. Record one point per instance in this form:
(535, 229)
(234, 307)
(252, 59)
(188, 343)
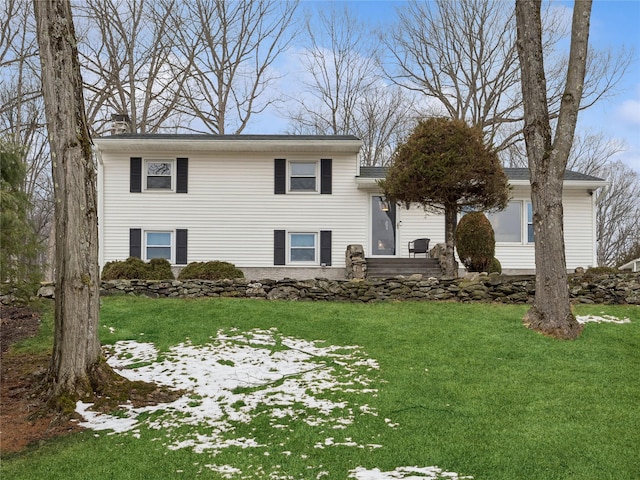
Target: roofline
(134, 143)
(371, 182)
(595, 183)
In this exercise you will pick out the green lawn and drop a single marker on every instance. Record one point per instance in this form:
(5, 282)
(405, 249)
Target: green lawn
(461, 386)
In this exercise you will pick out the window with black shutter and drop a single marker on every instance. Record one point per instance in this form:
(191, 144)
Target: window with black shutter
(135, 242)
(182, 175)
(181, 246)
(325, 176)
(135, 175)
(280, 176)
(279, 247)
(325, 247)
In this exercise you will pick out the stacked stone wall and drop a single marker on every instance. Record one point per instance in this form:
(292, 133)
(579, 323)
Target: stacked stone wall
(600, 289)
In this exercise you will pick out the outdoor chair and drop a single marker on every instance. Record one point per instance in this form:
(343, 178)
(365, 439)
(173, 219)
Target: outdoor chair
(419, 245)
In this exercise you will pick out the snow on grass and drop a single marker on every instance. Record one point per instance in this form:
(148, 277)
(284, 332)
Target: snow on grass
(408, 473)
(239, 376)
(234, 378)
(601, 319)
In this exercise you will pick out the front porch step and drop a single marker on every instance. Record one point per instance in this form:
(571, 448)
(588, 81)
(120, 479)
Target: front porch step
(392, 267)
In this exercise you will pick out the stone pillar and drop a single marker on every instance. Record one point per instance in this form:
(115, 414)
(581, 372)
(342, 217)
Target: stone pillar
(356, 263)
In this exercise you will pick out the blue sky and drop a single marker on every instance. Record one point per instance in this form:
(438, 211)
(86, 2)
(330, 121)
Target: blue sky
(614, 23)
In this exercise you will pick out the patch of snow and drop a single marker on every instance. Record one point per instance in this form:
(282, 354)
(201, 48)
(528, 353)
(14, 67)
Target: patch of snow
(601, 319)
(234, 378)
(407, 473)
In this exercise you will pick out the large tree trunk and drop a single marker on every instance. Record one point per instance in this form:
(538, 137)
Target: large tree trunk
(76, 352)
(551, 312)
(450, 224)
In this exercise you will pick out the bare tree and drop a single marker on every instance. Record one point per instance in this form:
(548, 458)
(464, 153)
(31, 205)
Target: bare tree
(462, 55)
(548, 155)
(231, 47)
(76, 360)
(385, 117)
(129, 65)
(344, 93)
(618, 213)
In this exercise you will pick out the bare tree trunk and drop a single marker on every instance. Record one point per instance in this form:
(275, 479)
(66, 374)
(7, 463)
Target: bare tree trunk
(551, 312)
(450, 224)
(76, 352)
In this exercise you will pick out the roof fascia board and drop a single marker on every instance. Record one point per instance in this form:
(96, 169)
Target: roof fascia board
(130, 145)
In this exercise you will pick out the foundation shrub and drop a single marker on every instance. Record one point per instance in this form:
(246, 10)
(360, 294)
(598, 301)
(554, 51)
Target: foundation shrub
(495, 266)
(213, 270)
(475, 242)
(135, 269)
(159, 269)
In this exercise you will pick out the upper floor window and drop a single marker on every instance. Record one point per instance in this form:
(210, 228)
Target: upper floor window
(302, 176)
(159, 175)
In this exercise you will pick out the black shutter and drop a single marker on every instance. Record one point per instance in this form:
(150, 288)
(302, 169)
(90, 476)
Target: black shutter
(279, 248)
(135, 175)
(181, 247)
(325, 247)
(325, 175)
(280, 176)
(135, 242)
(182, 175)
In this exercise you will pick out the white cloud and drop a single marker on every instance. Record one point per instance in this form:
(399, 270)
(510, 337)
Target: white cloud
(629, 112)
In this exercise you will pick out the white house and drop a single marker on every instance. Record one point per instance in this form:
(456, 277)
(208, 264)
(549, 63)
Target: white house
(288, 206)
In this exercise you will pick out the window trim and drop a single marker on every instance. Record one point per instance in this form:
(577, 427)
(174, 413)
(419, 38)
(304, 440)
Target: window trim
(172, 246)
(145, 174)
(316, 248)
(529, 221)
(524, 223)
(290, 175)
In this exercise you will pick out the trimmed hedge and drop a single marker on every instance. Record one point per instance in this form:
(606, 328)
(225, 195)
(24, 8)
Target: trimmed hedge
(135, 269)
(475, 242)
(214, 270)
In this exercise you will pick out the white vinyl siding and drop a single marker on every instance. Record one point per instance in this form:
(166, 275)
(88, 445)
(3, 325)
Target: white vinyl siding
(519, 256)
(231, 210)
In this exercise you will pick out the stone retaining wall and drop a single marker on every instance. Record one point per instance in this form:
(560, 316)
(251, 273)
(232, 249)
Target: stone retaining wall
(603, 289)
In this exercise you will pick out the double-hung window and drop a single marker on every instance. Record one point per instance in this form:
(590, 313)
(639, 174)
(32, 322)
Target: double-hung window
(303, 247)
(514, 224)
(158, 174)
(168, 244)
(303, 176)
(158, 245)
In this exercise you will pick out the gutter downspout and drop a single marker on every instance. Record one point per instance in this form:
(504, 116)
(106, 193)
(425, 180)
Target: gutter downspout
(100, 189)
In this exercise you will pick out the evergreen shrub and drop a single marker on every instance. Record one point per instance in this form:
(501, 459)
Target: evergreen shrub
(495, 266)
(134, 268)
(475, 242)
(213, 270)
